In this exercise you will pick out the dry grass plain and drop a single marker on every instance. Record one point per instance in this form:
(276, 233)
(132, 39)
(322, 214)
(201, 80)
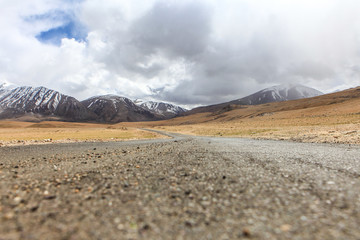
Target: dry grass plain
(331, 118)
(24, 133)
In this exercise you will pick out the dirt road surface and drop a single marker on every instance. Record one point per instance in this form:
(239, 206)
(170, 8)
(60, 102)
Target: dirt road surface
(180, 188)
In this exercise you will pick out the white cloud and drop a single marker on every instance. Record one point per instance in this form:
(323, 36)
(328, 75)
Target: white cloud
(187, 52)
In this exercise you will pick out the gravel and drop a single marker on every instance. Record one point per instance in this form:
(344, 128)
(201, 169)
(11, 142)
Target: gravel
(181, 188)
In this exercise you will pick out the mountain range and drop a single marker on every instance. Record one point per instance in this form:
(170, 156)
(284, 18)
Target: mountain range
(40, 103)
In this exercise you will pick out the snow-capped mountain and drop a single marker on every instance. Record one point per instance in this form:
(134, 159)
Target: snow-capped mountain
(272, 94)
(278, 93)
(113, 109)
(46, 102)
(41, 103)
(166, 109)
(6, 87)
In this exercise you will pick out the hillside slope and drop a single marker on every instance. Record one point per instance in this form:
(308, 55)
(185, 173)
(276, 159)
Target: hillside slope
(23, 101)
(166, 110)
(114, 109)
(278, 93)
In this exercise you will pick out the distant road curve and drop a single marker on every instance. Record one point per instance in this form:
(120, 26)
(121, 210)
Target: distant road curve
(181, 188)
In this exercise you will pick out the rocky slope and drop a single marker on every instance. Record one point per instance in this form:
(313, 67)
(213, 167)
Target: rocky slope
(40, 103)
(22, 101)
(113, 109)
(166, 110)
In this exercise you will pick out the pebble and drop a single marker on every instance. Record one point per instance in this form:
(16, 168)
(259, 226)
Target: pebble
(285, 227)
(9, 216)
(246, 232)
(17, 200)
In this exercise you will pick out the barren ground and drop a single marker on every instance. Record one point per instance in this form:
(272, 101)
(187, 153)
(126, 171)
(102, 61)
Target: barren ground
(182, 188)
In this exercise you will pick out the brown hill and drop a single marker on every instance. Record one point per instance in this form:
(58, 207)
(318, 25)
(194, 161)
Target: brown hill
(339, 103)
(280, 93)
(328, 118)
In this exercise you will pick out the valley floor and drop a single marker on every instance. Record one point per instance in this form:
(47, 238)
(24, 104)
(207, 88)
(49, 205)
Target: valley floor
(14, 133)
(342, 133)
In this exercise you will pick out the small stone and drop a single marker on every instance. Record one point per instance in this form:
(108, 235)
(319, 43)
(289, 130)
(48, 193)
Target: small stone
(49, 197)
(189, 223)
(17, 200)
(120, 226)
(9, 216)
(246, 232)
(34, 208)
(285, 227)
(145, 227)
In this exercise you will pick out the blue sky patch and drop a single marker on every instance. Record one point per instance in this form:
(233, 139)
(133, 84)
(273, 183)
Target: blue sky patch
(67, 26)
(68, 30)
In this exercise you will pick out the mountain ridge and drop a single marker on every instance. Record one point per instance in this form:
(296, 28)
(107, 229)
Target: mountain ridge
(278, 93)
(168, 110)
(112, 109)
(41, 103)
(284, 92)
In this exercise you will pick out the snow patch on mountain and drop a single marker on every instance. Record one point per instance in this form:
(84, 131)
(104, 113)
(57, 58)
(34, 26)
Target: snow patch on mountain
(285, 91)
(279, 93)
(113, 109)
(38, 97)
(162, 108)
(7, 86)
(43, 101)
(113, 99)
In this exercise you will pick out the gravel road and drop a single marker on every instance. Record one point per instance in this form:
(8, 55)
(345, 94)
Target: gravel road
(180, 188)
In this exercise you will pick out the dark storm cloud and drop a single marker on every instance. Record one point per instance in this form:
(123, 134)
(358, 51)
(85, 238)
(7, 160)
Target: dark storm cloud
(178, 29)
(168, 31)
(273, 54)
(222, 72)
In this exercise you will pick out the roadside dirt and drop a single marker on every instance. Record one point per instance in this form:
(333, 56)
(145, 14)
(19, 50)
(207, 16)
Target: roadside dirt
(182, 188)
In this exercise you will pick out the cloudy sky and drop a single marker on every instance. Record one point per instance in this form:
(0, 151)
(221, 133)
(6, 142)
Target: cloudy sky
(188, 52)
